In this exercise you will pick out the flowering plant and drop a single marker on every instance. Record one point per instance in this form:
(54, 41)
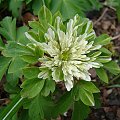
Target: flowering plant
(69, 54)
(69, 51)
(57, 53)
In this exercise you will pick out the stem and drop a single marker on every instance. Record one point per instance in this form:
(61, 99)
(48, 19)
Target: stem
(12, 108)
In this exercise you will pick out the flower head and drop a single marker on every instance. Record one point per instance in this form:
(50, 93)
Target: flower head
(70, 53)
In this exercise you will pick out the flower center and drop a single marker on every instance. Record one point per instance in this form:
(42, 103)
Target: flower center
(65, 55)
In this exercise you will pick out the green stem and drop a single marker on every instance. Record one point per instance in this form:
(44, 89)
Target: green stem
(12, 108)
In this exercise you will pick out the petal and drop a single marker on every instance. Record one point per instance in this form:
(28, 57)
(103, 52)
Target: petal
(69, 85)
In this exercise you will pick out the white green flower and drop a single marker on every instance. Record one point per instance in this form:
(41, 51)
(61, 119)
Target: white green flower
(69, 53)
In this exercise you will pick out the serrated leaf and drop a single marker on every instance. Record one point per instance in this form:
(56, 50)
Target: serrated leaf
(21, 38)
(31, 87)
(89, 86)
(69, 8)
(49, 86)
(86, 97)
(15, 6)
(31, 72)
(80, 111)
(102, 40)
(4, 62)
(8, 28)
(16, 65)
(102, 75)
(41, 108)
(13, 49)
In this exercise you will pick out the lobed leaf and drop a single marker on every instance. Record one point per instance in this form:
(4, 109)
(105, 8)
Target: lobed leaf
(4, 62)
(31, 72)
(32, 87)
(49, 87)
(8, 28)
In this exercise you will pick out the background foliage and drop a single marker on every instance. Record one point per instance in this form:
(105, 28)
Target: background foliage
(19, 58)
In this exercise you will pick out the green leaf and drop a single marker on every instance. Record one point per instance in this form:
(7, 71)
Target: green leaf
(39, 52)
(41, 108)
(102, 74)
(15, 6)
(4, 62)
(114, 86)
(30, 59)
(97, 100)
(86, 97)
(70, 8)
(35, 25)
(28, 1)
(112, 67)
(13, 78)
(32, 37)
(16, 65)
(36, 110)
(105, 51)
(23, 115)
(45, 16)
(63, 104)
(12, 108)
(37, 4)
(12, 89)
(32, 87)
(31, 72)
(103, 59)
(102, 40)
(89, 86)
(80, 111)
(49, 86)
(13, 49)
(2, 46)
(21, 38)
(8, 28)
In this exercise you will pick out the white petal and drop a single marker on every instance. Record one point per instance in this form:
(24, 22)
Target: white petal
(69, 85)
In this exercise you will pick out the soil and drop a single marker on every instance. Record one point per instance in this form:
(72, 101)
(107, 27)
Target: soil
(106, 22)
